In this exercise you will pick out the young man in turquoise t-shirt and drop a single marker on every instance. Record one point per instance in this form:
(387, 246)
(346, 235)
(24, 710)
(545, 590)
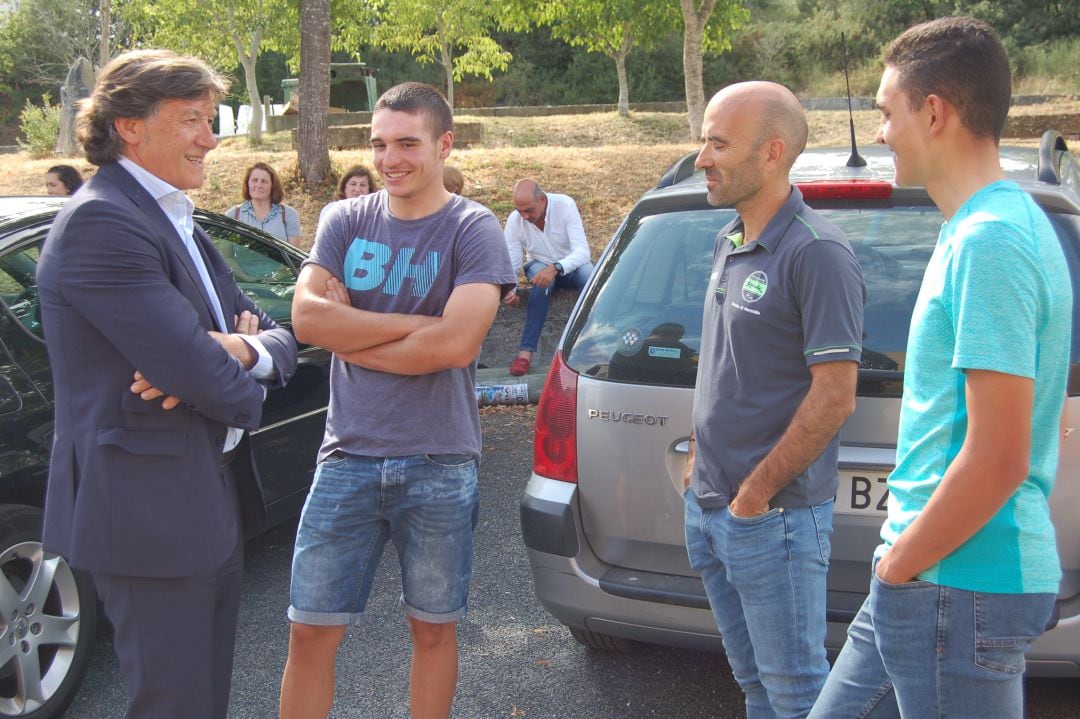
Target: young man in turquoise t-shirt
(968, 572)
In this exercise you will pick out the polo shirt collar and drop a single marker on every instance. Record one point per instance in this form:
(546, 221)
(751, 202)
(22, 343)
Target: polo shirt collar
(774, 231)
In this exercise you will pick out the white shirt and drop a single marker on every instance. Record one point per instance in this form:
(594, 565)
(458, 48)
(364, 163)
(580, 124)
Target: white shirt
(179, 208)
(562, 240)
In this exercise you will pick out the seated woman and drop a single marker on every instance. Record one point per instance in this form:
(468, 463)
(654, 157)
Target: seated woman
(357, 180)
(263, 205)
(62, 180)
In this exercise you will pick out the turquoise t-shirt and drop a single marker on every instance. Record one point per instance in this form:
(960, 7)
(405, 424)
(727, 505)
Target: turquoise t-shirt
(996, 296)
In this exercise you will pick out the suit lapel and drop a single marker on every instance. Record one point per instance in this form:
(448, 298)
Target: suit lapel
(165, 228)
(216, 269)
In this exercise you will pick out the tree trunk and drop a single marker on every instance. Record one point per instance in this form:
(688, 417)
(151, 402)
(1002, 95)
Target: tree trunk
(620, 68)
(106, 33)
(694, 21)
(446, 59)
(313, 141)
(248, 55)
(252, 84)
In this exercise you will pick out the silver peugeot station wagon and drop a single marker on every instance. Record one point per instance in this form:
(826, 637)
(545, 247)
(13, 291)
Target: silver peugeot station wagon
(602, 515)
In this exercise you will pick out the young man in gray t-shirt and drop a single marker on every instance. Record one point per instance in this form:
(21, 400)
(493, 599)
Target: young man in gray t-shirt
(402, 286)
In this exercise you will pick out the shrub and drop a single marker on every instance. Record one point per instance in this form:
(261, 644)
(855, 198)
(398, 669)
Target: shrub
(1048, 67)
(40, 127)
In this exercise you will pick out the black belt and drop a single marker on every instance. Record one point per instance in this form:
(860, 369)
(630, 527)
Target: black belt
(337, 454)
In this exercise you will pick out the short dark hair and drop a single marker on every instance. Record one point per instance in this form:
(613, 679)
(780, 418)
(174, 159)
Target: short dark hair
(69, 177)
(134, 85)
(277, 191)
(418, 98)
(961, 60)
(355, 171)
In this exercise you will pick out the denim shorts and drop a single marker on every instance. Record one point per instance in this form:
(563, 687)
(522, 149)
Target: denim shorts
(427, 505)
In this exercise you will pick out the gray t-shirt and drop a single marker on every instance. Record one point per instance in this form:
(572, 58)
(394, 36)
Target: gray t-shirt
(791, 299)
(410, 267)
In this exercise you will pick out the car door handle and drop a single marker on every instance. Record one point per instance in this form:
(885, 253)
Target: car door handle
(683, 447)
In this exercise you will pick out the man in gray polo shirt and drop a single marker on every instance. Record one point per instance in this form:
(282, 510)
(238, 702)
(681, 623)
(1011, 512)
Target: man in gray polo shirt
(780, 347)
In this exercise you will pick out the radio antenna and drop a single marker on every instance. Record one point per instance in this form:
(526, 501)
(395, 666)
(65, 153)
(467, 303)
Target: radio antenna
(856, 160)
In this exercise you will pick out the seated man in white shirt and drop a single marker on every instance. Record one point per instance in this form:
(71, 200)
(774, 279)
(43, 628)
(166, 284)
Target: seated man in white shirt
(548, 227)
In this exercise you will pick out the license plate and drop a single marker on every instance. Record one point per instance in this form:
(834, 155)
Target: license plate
(862, 493)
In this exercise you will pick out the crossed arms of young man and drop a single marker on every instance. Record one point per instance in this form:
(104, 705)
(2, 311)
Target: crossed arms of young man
(389, 342)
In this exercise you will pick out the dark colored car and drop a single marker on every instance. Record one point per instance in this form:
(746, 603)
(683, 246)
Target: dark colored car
(48, 612)
(602, 515)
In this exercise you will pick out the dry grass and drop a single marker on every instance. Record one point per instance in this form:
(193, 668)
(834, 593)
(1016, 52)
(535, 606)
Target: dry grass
(601, 160)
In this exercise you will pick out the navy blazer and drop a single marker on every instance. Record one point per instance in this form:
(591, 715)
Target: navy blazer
(135, 489)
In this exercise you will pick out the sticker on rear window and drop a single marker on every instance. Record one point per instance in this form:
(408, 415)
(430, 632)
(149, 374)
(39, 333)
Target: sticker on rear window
(669, 352)
(630, 341)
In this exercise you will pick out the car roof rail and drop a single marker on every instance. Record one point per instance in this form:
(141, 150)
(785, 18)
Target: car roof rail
(1051, 146)
(679, 170)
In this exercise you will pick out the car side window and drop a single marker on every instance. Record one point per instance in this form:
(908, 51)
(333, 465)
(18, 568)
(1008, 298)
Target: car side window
(18, 286)
(261, 270)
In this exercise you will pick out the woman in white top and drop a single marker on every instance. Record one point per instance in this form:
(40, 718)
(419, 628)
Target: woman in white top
(263, 205)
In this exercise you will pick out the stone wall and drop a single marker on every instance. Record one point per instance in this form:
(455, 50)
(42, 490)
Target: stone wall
(348, 136)
(280, 123)
(1036, 125)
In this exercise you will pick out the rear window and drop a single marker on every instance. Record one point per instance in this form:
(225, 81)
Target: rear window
(641, 321)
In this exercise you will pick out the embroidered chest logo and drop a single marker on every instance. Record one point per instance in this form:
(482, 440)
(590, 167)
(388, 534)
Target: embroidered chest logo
(369, 264)
(755, 286)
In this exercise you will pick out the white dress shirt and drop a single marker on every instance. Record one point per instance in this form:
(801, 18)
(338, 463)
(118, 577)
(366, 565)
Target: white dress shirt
(562, 240)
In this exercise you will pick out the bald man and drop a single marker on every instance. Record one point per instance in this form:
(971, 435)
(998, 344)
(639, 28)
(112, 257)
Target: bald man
(780, 349)
(548, 226)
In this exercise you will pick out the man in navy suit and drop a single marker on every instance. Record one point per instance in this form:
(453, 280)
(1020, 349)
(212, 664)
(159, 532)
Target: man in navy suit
(160, 367)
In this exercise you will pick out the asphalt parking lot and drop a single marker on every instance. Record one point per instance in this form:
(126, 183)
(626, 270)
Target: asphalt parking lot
(516, 661)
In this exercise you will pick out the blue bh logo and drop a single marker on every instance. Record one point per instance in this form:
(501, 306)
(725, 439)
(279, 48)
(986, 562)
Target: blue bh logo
(368, 264)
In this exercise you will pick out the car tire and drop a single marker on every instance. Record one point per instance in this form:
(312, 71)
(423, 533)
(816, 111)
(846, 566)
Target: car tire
(48, 618)
(602, 642)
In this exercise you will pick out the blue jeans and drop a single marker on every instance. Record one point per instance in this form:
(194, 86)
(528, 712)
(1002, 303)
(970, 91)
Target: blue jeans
(427, 505)
(921, 650)
(765, 579)
(540, 297)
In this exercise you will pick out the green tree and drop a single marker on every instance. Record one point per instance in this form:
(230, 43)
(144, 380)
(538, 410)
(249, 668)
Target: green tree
(707, 25)
(1027, 22)
(42, 38)
(612, 28)
(222, 32)
(455, 34)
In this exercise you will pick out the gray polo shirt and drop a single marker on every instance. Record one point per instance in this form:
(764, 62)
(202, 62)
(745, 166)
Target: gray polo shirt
(791, 299)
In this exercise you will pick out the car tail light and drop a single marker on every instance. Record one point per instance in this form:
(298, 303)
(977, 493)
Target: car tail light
(845, 190)
(555, 445)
